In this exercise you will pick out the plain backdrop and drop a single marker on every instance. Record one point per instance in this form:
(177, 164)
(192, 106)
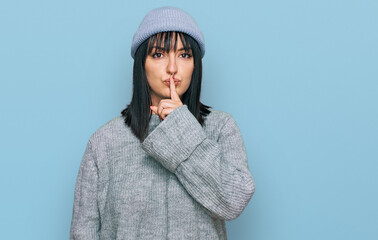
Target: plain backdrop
(299, 77)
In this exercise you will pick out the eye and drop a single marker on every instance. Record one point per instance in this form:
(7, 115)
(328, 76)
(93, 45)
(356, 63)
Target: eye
(157, 55)
(186, 55)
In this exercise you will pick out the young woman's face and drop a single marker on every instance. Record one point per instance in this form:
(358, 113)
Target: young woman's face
(159, 67)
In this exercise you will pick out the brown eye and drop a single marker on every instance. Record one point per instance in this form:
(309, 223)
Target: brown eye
(186, 55)
(157, 55)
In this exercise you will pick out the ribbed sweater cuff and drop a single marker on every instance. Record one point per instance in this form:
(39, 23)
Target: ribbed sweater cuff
(175, 138)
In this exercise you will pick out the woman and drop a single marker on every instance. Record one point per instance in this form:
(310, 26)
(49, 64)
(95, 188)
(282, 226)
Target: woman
(169, 167)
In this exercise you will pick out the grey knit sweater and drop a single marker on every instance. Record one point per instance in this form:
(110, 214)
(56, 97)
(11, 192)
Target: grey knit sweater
(182, 182)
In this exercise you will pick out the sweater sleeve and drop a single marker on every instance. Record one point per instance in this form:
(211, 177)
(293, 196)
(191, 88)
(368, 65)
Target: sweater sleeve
(214, 173)
(85, 223)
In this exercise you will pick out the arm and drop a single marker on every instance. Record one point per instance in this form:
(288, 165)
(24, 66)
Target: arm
(215, 173)
(85, 216)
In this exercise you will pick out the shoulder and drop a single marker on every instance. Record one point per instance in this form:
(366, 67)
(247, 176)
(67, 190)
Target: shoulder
(222, 121)
(110, 130)
(217, 117)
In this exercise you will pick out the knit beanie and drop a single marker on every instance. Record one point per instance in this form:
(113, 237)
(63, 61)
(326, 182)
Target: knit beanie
(166, 19)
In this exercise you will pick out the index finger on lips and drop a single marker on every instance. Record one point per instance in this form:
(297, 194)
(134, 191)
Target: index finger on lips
(174, 95)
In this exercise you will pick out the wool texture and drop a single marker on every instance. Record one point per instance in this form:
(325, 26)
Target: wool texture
(166, 19)
(182, 182)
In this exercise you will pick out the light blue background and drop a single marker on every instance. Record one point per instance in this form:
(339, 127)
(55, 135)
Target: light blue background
(299, 77)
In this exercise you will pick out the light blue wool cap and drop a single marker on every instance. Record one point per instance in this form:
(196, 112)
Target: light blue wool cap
(166, 19)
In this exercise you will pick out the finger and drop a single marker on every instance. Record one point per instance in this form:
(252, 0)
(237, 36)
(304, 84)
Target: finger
(161, 108)
(174, 95)
(154, 109)
(168, 103)
(166, 112)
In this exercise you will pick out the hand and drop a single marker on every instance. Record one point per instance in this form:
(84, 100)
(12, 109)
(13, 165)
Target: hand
(166, 106)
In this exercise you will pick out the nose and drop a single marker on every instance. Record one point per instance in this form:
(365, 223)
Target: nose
(172, 66)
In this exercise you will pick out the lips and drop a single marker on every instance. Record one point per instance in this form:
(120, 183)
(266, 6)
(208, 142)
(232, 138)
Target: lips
(168, 83)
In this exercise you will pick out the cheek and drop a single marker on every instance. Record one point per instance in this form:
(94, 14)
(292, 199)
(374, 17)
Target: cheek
(190, 73)
(188, 76)
(149, 71)
(188, 69)
(152, 70)
(153, 77)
